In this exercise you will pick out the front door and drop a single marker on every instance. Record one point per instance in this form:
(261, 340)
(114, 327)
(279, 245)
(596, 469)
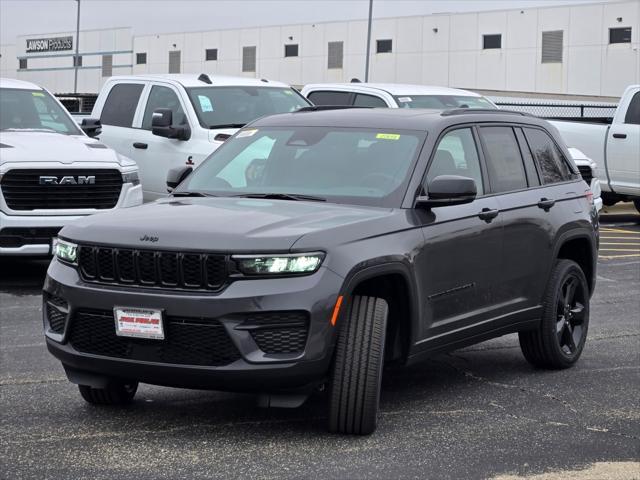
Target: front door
(461, 260)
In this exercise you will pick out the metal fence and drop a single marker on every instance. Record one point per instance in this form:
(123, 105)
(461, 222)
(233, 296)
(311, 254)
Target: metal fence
(588, 112)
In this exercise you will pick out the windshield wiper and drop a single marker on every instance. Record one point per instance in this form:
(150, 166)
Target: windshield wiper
(188, 193)
(227, 125)
(282, 196)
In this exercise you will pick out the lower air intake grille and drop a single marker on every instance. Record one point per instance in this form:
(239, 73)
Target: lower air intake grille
(279, 332)
(188, 341)
(56, 309)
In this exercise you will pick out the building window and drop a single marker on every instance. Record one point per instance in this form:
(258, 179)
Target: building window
(141, 58)
(248, 59)
(620, 35)
(335, 55)
(174, 61)
(22, 63)
(291, 50)
(552, 46)
(211, 54)
(384, 46)
(107, 65)
(77, 60)
(491, 41)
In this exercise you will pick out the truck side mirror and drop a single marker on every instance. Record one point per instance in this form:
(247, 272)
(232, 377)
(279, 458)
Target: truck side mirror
(446, 190)
(176, 175)
(162, 125)
(91, 126)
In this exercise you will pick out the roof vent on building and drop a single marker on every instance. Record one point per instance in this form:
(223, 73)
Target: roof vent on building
(355, 80)
(205, 78)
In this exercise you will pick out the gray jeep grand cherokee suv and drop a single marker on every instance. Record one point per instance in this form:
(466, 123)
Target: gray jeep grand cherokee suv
(316, 247)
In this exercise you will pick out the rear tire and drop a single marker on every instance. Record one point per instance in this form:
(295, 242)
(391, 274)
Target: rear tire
(357, 369)
(559, 340)
(116, 393)
(636, 203)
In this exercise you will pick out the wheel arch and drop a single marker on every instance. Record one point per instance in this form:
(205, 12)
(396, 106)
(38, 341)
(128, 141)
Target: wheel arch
(580, 247)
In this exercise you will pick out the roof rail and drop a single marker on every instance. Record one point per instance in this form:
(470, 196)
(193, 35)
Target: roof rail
(463, 111)
(318, 108)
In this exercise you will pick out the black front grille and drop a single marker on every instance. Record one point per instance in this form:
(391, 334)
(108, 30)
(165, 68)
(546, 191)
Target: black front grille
(15, 237)
(278, 332)
(150, 268)
(188, 341)
(22, 189)
(586, 173)
(57, 309)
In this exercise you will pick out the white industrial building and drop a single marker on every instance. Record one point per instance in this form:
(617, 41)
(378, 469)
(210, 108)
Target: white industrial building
(588, 50)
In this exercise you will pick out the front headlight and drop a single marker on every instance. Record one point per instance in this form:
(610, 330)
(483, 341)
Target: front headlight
(66, 251)
(288, 264)
(131, 177)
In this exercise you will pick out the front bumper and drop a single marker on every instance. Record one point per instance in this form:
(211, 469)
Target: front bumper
(253, 370)
(39, 220)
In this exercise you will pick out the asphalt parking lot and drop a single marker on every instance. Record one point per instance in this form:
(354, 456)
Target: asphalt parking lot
(480, 412)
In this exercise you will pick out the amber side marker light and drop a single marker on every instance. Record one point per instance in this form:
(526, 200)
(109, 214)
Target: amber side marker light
(336, 311)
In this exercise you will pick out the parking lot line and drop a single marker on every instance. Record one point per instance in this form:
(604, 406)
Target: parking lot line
(618, 230)
(612, 257)
(620, 243)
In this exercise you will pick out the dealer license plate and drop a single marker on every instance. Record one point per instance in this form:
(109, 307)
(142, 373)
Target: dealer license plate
(139, 323)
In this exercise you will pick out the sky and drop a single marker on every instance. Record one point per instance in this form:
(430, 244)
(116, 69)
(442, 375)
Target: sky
(22, 17)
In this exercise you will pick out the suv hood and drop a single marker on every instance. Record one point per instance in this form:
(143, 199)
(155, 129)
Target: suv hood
(36, 146)
(237, 225)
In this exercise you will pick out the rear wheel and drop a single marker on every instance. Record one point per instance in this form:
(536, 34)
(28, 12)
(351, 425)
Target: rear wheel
(116, 393)
(559, 340)
(357, 370)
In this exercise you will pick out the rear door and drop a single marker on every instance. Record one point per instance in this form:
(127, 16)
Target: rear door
(117, 116)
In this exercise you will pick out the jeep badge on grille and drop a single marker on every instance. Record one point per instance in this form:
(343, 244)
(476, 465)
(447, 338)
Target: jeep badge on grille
(68, 180)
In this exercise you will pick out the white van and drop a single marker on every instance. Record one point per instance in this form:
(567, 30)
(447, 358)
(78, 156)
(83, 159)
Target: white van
(165, 121)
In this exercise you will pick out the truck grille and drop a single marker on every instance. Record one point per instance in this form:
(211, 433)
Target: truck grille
(22, 189)
(188, 341)
(586, 173)
(15, 237)
(149, 268)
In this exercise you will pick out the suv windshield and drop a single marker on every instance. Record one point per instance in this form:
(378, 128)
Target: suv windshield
(442, 101)
(342, 165)
(218, 107)
(33, 110)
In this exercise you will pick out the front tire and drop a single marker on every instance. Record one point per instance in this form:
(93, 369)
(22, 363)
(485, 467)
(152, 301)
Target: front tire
(116, 393)
(559, 340)
(357, 369)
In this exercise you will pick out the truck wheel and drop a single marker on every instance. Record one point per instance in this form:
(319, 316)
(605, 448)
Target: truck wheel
(559, 340)
(357, 369)
(116, 393)
(636, 203)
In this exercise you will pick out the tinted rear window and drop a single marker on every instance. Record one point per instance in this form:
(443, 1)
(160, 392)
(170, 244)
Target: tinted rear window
(551, 162)
(504, 161)
(324, 97)
(121, 104)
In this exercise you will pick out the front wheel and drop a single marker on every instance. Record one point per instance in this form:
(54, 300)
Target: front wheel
(116, 393)
(559, 340)
(357, 369)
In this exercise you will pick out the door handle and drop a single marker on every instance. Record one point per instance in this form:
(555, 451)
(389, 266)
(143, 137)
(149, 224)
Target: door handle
(140, 145)
(488, 214)
(619, 135)
(546, 204)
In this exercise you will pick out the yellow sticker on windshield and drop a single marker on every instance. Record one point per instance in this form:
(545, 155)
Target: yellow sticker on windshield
(246, 133)
(37, 94)
(388, 136)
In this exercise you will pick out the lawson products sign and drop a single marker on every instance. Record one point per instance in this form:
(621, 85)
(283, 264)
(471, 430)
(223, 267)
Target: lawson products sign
(55, 44)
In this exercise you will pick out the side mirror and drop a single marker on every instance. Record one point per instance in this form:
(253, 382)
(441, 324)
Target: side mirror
(91, 126)
(176, 175)
(162, 125)
(446, 190)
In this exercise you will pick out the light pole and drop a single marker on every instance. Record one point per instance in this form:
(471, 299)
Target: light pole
(366, 68)
(75, 59)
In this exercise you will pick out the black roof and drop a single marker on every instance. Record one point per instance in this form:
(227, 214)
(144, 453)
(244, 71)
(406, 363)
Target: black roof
(399, 118)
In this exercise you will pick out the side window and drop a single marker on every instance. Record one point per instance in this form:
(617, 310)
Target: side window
(529, 163)
(504, 162)
(325, 97)
(552, 164)
(633, 113)
(369, 101)
(163, 97)
(456, 154)
(120, 106)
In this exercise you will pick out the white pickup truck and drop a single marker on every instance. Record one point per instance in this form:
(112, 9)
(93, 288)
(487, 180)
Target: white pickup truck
(51, 171)
(167, 121)
(615, 148)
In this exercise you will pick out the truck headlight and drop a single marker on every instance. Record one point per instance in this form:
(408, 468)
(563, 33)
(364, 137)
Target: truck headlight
(66, 251)
(287, 264)
(131, 177)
